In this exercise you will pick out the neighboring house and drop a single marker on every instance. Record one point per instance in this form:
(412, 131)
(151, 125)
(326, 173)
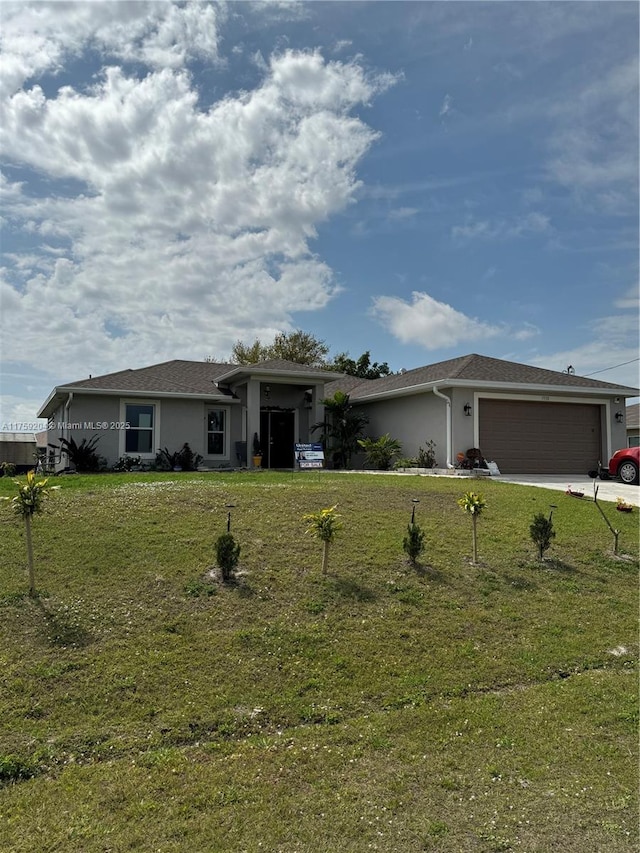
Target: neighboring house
(633, 425)
(19, 449)
(526, 419)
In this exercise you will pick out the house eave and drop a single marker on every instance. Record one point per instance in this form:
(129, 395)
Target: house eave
(62, 391)
(242, 373)
(484, 385)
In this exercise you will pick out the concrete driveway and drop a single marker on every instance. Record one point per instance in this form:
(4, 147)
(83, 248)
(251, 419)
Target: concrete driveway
(608, 490)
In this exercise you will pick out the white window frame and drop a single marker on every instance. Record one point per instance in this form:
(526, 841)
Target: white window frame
(226, 434)
(155, 429)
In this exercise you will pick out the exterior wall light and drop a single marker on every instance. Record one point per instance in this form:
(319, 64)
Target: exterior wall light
(467, 409)
(619, 417)
(267, 391)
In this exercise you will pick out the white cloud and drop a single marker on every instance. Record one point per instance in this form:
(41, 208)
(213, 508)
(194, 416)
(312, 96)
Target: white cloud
(18, 414)
(39, 37)
(447, 106)
(430, 323)
(528, 330)
(399, 213)
(191, 226)
(631, 299)
(610, 352)
(532, 223)
(595, 145)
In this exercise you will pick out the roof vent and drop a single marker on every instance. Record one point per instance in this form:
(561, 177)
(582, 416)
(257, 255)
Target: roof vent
(403, 370)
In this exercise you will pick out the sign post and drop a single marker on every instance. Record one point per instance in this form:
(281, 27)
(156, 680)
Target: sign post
(309, 456)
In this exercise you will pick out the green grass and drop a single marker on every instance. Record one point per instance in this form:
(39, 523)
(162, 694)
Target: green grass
(449, 707)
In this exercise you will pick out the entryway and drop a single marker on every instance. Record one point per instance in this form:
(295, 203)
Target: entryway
(277, 436)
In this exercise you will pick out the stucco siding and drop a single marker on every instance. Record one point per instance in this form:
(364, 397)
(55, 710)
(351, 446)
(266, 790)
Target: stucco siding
(88, 416)
(413, 421)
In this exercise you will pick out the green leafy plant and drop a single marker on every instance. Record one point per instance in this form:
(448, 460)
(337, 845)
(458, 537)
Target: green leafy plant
(323, 525)
(7, 469)
(427, 455)
(341, 428)
(185, 459)
(380, 451)
(29, 501)
(405, 462)
(413, 542)
(227, 555)
(127, 463)
(473, 503)
(83, 457)
(542, 532)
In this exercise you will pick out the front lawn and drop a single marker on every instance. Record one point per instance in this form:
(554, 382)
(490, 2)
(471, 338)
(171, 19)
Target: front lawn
(447, 707)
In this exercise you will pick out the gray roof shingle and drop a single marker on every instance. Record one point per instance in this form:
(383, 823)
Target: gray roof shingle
(473, 368)
(199, 377)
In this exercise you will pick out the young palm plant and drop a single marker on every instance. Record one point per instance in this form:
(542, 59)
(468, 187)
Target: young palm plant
(323, 525)
(27, 503)
(341, 428)
(473, 503)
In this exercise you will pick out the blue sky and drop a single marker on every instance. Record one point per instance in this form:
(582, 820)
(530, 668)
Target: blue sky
(422, 180)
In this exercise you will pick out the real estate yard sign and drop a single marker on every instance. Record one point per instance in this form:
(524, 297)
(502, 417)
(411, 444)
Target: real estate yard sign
(309, 456)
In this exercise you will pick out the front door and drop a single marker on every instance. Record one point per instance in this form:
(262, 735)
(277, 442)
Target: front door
(277, 435)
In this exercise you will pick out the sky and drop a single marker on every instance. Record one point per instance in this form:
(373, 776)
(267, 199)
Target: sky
(422, 180)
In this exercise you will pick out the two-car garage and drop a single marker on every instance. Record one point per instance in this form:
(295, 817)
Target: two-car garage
(533, 437)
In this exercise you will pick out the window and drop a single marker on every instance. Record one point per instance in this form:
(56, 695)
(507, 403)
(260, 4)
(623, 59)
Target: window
(633, 440)
(139, 434)
(216, 432)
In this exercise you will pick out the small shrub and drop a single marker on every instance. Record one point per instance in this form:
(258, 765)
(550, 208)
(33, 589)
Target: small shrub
(7, 469)
(83, 456)
(380, 451)
(542, 533)
(427, 455)
(127, 463)
(185, 459)
(413, 542)
(405, 462)
(227, 555)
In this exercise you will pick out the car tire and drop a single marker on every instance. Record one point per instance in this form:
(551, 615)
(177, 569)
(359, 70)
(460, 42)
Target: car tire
(628, 472)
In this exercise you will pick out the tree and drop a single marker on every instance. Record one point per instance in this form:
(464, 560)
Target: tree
(299, 347)
(248, 353)
(341, 428)
(362, 367)
(26, 504)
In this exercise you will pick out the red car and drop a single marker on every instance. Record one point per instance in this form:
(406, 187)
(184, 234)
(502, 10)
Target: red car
(625, 465)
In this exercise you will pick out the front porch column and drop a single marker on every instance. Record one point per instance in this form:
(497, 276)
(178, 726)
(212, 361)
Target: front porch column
(253, 416)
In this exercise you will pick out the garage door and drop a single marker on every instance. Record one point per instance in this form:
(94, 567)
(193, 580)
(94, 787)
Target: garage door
(540, 438)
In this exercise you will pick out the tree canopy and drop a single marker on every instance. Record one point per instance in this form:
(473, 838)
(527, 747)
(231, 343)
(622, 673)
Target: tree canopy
(304, 348)
(298, 346)
(361, 367)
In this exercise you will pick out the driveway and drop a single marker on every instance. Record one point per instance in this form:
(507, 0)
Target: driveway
(608, 490)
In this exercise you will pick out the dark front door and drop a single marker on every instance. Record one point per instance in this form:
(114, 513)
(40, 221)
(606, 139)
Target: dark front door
(277, 431)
